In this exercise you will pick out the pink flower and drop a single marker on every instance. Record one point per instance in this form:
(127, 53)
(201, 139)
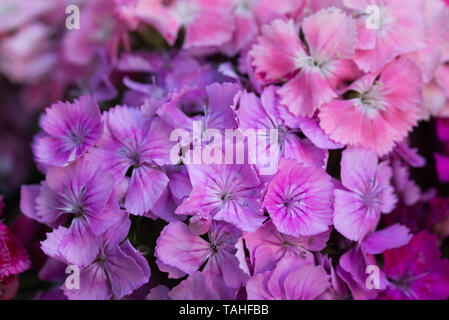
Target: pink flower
(379, 110)
(70, 129)
(368, 193)
(299, 199)
(292, 279)
(400, 31)
(311, 66)
(206, 22)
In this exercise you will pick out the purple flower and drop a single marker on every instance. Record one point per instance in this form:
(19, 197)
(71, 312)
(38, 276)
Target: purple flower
(132, 142)
(178, 247)
(267, 114)
(227, 192)
(368, 193)
(267, 246)
(299, 199)
(80, 192)
(118, 268)
(70, 129)
(292, 279)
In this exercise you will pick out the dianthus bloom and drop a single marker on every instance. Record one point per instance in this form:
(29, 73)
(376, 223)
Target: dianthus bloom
(367, 193)
(417, 271)
(70, 129)
(227, 192)
(117, 270)
(315, 63)
(377, 110)
(178, 247)
(81, 194)
(299, 199)
(132, 142)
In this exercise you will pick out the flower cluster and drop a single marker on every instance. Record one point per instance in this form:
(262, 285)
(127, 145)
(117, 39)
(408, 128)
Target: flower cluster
(342, 89)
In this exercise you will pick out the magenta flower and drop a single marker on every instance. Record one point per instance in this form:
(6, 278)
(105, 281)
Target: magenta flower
(178, 247)
(417, 271)
(13, 257)
(299, 199)
(132, 142)
(367, 193)
(292, 279)
(312, 66)
(228, 193)
(70, 129)
(80, 192)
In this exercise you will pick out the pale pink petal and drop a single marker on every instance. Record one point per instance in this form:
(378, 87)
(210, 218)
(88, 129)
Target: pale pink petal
(306, 92)
(277, 49)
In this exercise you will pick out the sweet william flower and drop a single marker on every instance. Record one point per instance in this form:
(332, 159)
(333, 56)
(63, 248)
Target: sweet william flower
(81, 194)
(118, 268)
(367, 193)
(131, 142)
(178, 247)
(377, 110)
(69, 130)
(266, 113)
(228, 192)
(417, 271)
(299, 199)
(311, 66)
